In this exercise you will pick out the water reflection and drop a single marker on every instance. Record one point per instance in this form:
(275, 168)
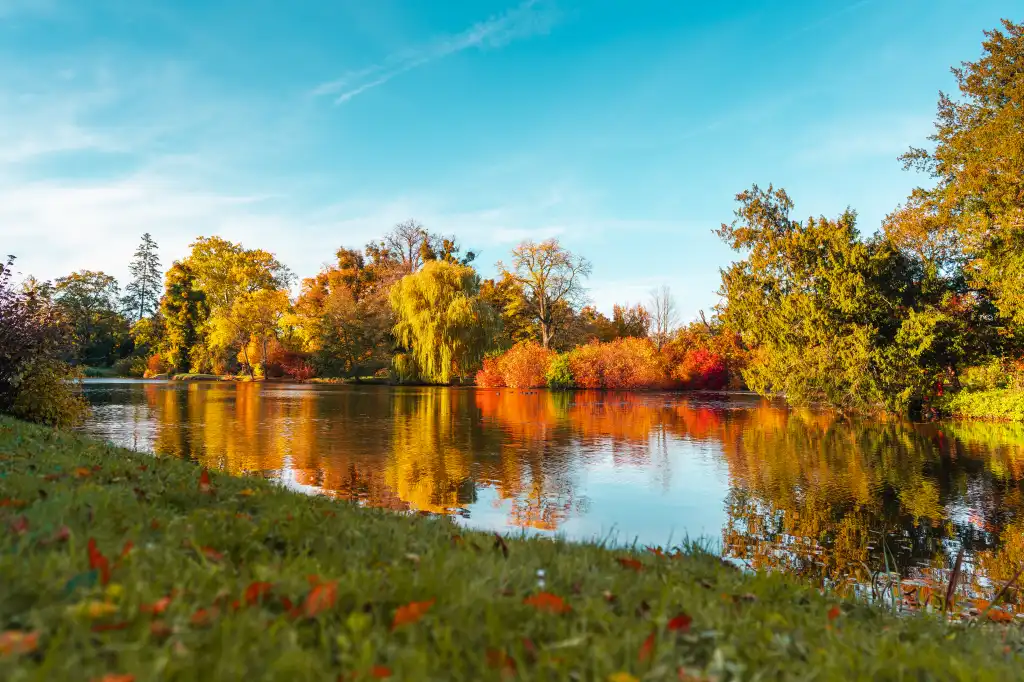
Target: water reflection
(832, 500)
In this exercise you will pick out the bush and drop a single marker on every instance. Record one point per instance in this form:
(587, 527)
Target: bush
(131, 366)
(490, 375)
(156, 365)
(702, 369)
(628, 363)
(525, 365)
(998, 403)
(35, 382)
(559, 376)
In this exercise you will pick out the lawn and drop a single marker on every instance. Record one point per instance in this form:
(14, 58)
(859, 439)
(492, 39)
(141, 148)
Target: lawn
(118, 566)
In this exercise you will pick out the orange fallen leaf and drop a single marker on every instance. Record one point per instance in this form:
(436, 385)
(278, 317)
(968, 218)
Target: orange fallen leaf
(321, 598)
(204, 482)
(1000, 616)
(630, 563)
(834, 612)
(982, 604)
(622, 677)
(411, 612)
(98, 562)
(256, 592)
(128, 547)
(115, 677)
(160, 629)
(248, 492)
(380, 672)
(15, 642)
(82, 472)
(157, 607)
(203, 617)
(647, 648)
(211, 554)
(680, 623)
(11, 502)
(545, 601)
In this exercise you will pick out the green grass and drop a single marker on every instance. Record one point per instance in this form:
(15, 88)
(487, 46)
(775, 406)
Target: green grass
(998, 403)
(204, 548)
(99, 372)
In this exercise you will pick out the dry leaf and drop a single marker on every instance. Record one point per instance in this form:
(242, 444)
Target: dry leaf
(157, 607)
(204, 482)
(211, 554)
(545, 601)
(499, 660)
(114, 677)
(203, 617)
(680, 623)
(98, 562)
(1000, 616)
(16, 642)
(160, 629)
(321, 598)
(248, 492)
(411, 612)
(647, 648)
(257, 591)
(834, 612)
(13, 503)
(622, 677)
(380, 672)
(19, 526)
(632, 564)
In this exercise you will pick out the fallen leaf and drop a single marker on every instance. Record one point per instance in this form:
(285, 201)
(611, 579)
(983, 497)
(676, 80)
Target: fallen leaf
(128, 547)
(320, 599)
(114, 677)
(1000, 616)
(256, 591)
(834, 612)
(647, 648)
(98, 562)
(93, 609)
(203, 617)
(160, 629)
(380, 672)
(680, 623)
(16, 642)
(545, 601)
(248, 492)
(411, 612)
(632, 564)
(82, 472)
(19, 526)
(622, 677)
(157, 607)
(204, 482)
(60, 535)
(499, 660)
(211, 554)
(11, 502)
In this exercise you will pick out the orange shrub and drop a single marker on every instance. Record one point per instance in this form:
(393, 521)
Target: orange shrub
(156, 365)
(525, 365)
(490, 376)
(626, 363)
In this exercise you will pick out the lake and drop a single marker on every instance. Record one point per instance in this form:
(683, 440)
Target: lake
(850, 504)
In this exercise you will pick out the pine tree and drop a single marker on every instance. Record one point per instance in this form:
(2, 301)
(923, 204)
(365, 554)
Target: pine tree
(142, 294)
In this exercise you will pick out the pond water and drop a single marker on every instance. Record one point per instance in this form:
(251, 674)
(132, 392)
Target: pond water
(850, 504)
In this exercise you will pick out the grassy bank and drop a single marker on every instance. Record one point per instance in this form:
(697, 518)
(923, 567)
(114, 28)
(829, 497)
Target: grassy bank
(119, 563)
(998, 403)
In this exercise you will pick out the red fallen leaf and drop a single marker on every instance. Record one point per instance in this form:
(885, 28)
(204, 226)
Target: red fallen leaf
(545, 601)
(411, 612)
(98, 562)
(320, 599)
(18, 642)
(53, 477)
(128, 547)
(160, 629)
(203, 617)
(647, 649)
(143, 467)
(19, 526)
(157, 607)
(380, 672)
(211, 554)
(204, 482)
(501, 661)
(154, 524)
(834, 612)
(114, 677)
(82, 472)
(60, 535)
(287, 604)
(255, 592)
(630, 563)
(11, 502)
(680, 623)
(110, 627)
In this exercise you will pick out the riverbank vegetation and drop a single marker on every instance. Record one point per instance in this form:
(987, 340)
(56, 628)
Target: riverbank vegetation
(119, 564)
(814, 310)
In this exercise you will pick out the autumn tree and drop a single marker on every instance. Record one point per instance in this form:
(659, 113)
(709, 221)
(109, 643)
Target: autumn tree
(90, 302)
(632, 321)
(551, 278)
(664, 315)
(506, 298)
(184, 311)
(442, 321)
(142, 295)
(973, 216)
(254, 317)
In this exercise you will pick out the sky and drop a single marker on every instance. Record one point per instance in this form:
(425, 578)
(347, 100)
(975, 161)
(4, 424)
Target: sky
(623, 128)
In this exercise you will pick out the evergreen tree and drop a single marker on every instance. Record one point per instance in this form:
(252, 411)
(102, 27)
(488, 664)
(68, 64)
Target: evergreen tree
(142, 294)
(184, 310)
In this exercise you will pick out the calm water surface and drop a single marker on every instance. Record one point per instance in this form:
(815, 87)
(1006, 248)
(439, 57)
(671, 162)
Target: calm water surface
(802, 491)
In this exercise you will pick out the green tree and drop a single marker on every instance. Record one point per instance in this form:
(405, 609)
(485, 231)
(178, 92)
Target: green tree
(184, 311)
(506, 298)
(973, 217)
(89, 301)
(142, 295)
(551, 278)
(442, 320)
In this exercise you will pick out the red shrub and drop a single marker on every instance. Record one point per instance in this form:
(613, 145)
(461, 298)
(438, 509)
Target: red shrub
(155, 365)
(489, 376)
(702, 370)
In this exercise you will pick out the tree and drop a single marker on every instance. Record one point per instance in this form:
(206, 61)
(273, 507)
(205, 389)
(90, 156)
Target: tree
(974, 215)
(409, 245)
(255, 317)
(90, 302)
(442, 321)
(225, 270)
(551, 276)
(632, 321)
(142, 295)
(184, 311)
(505, 296)
(664, 315)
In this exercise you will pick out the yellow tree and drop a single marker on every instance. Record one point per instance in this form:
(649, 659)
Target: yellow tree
(255, 317)
(442, 320)
(551, 277)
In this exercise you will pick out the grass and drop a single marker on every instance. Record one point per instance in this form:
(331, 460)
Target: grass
(237, 578)
(1005, 404)
(99, 372)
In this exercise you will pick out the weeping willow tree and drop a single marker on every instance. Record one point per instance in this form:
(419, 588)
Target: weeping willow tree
(442, 321)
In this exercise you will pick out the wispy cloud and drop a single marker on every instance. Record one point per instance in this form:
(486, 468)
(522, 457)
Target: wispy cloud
(530, 18)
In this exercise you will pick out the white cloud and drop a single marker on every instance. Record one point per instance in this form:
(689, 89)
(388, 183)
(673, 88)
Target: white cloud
(523, 21)
(846, 141)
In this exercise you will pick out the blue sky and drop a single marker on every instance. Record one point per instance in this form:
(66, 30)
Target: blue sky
(623, 128)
